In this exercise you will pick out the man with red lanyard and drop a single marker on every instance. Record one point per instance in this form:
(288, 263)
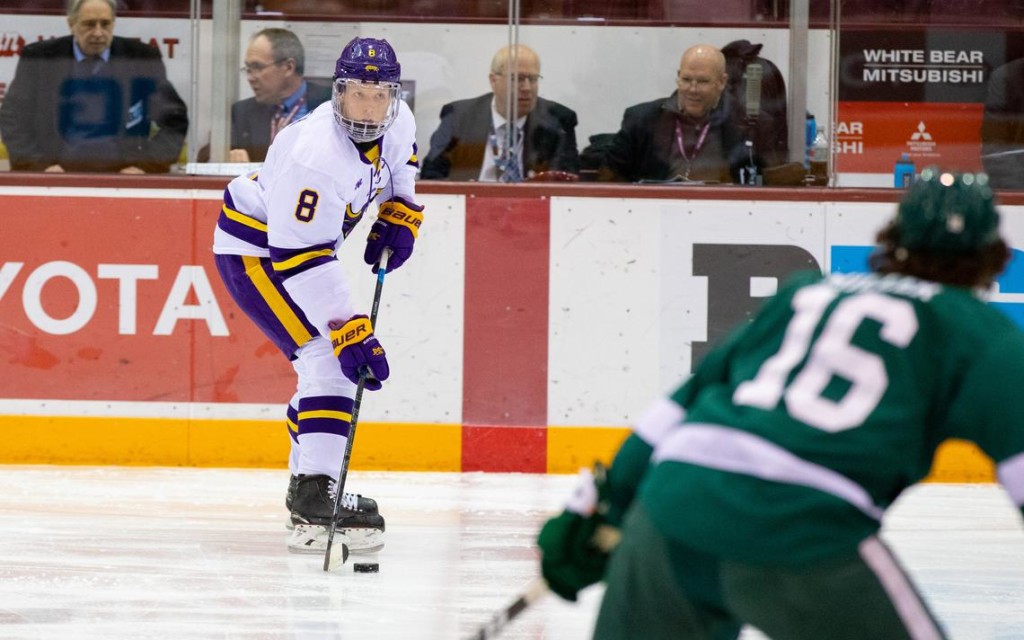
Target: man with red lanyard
(687, 136)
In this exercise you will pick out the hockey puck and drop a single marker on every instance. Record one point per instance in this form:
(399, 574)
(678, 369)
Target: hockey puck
(366, 567)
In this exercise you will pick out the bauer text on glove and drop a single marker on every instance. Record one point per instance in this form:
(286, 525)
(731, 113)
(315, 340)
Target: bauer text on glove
(356, 347)
(396, 228)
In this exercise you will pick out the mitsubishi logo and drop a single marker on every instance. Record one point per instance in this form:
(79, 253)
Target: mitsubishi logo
(921, 134)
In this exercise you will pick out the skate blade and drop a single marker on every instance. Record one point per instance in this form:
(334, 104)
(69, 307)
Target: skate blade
(311, 538)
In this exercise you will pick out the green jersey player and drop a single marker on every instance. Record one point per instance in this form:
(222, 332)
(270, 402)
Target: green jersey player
(754, 494)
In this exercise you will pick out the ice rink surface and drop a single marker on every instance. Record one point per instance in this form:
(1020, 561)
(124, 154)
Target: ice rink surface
(134, 553)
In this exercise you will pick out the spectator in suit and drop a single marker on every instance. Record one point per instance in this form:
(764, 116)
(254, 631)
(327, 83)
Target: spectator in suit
(472, 142)
(690, 135)
(274, 66)
(1002, 127)
(92, 101)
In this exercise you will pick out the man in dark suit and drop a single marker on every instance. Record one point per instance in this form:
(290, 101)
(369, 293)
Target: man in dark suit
(92, 101)
(689, 136)
(473, 141)
(274, 66)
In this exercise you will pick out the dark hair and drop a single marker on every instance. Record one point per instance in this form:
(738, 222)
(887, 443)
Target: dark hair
(977, 268)
(284, 45)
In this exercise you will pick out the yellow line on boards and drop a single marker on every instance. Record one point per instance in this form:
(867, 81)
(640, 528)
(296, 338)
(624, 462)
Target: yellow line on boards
(380, 446)
(214, 443)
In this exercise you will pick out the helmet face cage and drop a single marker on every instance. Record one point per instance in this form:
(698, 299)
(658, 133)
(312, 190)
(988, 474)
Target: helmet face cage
(359, 130)
(371, 63)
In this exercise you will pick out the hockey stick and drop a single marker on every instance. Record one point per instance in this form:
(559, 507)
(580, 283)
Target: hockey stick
(534, 592)
(606, 538)
(332, 557)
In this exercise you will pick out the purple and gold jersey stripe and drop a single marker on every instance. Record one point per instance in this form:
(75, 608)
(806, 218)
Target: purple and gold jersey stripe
(243, 227)
(274, 298)
(414, 159)
(292, 420)
(352, 218)
(371, 156)
(289, 262)
(325, 414)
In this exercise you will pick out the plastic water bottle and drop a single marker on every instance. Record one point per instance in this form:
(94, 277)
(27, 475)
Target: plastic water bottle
(819, 158)
(810, 134)
(903, 172)
(749, 174)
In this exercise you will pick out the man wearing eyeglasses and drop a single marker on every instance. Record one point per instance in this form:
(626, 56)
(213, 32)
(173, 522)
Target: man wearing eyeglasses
(92, 101)
(688, 136)
(274, 67)
(508, 135)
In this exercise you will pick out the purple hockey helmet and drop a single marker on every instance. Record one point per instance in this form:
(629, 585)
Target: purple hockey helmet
(366, 65)
(369, 60)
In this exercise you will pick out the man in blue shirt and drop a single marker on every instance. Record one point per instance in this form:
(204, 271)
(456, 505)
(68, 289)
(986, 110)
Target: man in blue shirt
(274, 66)
(92, 101)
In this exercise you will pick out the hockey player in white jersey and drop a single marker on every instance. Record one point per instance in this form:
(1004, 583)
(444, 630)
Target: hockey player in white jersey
(276, 243)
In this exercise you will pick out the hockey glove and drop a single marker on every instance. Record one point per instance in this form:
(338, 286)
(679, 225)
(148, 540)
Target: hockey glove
(573, 552)
(397, 225)
(359, 352)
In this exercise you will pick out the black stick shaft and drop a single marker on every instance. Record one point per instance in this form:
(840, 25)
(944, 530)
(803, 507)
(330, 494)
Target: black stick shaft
(606, 537)
(382, 270)
(494, 627)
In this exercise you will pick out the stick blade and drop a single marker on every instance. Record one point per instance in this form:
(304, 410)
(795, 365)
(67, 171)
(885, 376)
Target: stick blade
(336, 556)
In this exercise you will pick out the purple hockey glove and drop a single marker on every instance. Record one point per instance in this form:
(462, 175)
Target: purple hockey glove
(397, 225)
(358, 350)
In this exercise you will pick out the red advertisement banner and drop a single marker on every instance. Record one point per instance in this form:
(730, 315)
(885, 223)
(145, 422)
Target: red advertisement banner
(870, 136)
(118, 299)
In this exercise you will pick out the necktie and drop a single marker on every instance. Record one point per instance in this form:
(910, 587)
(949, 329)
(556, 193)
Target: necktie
(508, 162)
(283, 116)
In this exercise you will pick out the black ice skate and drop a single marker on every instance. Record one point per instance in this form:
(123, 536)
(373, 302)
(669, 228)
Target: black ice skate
(365, 504)
(312, 508)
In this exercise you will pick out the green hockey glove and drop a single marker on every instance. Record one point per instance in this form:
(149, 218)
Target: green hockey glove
(574, 545)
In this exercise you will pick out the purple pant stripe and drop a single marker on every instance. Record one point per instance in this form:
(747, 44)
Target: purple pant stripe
(249, 299)
(328, 403)
(323, 425)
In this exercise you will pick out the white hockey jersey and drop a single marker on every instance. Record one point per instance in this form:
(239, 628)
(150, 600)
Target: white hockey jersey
(315, 185)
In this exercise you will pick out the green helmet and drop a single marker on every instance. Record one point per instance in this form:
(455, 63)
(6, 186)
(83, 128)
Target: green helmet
(948, 212)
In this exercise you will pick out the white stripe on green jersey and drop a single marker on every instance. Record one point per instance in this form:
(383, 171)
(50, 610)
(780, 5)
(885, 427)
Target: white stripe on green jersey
(847, 384)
